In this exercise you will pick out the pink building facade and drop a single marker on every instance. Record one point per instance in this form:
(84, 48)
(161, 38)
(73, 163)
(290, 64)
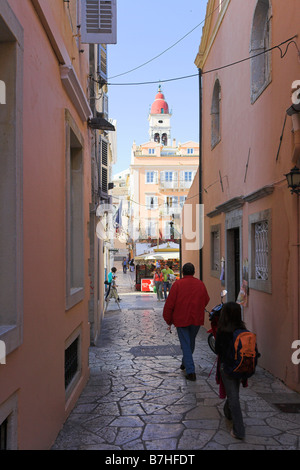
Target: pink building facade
(249, 144)
(45, 148)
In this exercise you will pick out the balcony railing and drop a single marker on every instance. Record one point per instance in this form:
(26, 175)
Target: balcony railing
(176, 184)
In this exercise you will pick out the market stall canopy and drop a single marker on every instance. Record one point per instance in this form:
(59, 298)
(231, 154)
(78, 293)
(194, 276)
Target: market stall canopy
(163, 255)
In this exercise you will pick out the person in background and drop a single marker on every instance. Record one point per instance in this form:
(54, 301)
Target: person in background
(124, 264)
(131, 265)
(112, 285)
(158, 282)
(166, 273)
(184, 308)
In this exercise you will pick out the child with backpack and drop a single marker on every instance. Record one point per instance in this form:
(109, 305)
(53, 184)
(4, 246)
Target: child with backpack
(237, 351)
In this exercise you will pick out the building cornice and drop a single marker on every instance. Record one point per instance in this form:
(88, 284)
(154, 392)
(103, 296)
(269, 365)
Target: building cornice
(207, 39)
(259, 193)
(238, 202)
(75, 92)
(153, 166)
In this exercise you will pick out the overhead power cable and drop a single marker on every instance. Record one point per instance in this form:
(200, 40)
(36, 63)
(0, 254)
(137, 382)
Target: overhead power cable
(278, 46)
(168, 48)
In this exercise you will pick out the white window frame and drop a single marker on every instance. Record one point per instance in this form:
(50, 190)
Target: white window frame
(169, 176)
(151, 177)
(171, 202)
(182, 200)
(167, 230)
(74, 189)
(151, 228)
(188, 176)
(151, 205)
(260, 42)
(11, 210)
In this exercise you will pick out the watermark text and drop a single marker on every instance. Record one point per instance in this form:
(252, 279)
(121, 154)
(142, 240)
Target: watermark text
(2, 92)
(2, 353)
(296, 92)
(296, 354)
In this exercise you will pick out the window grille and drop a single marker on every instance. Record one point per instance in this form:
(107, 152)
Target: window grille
(261, 250)
(215, 250)
(71, 362)
(260, 43)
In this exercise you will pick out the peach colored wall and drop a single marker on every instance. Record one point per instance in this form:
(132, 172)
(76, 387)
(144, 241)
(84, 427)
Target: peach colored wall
(36, 369)
(274, 317)
(159, 163)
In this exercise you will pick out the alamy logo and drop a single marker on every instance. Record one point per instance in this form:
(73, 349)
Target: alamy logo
(146, 223)
(2, 92)
(296, 92)
(2, 353)
(296, 354)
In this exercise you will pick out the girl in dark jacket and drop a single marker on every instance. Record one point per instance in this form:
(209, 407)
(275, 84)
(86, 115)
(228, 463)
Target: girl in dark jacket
(230, 320)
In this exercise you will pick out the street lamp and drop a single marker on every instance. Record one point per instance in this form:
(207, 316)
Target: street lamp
(293, 180)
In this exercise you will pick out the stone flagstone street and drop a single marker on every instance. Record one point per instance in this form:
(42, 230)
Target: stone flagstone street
(137, 398)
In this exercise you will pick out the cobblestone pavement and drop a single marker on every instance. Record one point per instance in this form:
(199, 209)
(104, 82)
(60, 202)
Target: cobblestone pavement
(137, 398)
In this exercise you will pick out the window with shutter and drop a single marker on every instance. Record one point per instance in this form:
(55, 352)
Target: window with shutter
(103, 166)
(99, 22)
(151, 202)
(102, 61)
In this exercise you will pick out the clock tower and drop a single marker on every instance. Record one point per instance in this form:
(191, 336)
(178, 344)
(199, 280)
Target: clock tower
(159, 120)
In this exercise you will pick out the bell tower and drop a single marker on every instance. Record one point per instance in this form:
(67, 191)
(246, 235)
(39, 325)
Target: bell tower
(159, 120)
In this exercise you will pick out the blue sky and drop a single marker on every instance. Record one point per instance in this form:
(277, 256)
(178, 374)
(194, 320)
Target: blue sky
(144, 30)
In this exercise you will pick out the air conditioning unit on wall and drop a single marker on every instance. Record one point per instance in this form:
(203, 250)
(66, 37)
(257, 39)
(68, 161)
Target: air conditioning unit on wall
(99, 21)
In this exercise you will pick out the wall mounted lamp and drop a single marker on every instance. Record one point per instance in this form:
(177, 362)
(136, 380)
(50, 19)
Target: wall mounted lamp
(293, 180)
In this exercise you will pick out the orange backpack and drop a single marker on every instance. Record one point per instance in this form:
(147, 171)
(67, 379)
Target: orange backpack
(245, 355)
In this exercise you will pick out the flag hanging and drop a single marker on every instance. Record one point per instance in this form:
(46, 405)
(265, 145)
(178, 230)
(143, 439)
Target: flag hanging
(118, 219)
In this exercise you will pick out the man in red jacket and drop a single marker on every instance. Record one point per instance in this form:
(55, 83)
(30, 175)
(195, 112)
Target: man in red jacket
(184, 308)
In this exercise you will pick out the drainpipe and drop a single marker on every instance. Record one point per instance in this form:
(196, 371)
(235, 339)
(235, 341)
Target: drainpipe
(200, 165)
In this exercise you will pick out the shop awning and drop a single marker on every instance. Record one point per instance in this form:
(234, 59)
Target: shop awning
(165, 256)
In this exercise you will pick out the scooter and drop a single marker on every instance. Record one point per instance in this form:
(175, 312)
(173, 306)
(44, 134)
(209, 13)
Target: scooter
(214, 316)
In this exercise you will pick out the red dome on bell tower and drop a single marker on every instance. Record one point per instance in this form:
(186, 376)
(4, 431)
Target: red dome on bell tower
(159, 105)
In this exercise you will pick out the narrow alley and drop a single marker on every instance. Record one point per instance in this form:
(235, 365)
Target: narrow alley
(137, 398)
